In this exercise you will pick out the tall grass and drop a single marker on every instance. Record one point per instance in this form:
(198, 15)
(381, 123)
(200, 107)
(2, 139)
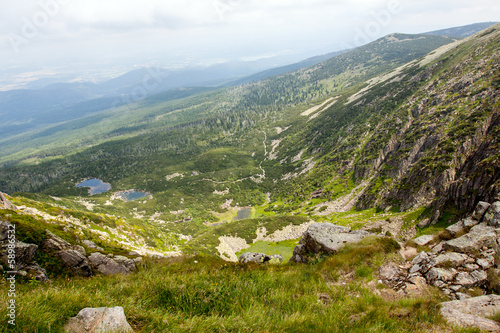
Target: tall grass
(205, 294)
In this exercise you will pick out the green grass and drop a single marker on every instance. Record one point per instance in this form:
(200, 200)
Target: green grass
(205, 294)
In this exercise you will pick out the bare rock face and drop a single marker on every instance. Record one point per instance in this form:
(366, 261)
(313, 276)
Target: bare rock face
(325, 238)
(99, 320)
(472, 312)
(109, 266)
(5, 203)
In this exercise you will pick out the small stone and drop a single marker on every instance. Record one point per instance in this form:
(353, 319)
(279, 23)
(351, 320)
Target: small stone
(424, 223)
(469, 223)
(492, 216)
(456, 228)
(465, 280)
(480, 210)
(471, 267)
(452, 259)
(442, 274)
(438, 248)
(462, 296)
(423, 240)
(485, 263)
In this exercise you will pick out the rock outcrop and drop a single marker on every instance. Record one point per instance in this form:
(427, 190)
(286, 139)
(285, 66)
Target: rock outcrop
(324, 238)
(76, 261)
(18, 256)
(5, 203)
(109, 265)
(457, 264)
(471, 313)
(260, 258)
(99, 320)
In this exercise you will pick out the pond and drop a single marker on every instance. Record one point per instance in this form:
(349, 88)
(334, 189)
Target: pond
(243, 214)
(131, 195)
(96, 186)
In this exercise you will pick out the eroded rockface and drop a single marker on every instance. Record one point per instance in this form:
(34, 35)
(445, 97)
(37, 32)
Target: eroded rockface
(445, 148)
(465, 259)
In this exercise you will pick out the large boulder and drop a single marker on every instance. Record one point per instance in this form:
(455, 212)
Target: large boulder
(21, 254)
(472, 312)
(99, 320)
(325, 238)
(260, 258)
(76, 262)
(492, 216)
(109, 266)
(479, 236)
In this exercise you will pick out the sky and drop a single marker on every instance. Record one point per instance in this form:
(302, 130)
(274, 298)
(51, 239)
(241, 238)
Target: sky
(47, 35)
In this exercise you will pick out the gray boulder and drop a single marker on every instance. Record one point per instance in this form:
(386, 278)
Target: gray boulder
(423, 240)
(471, 313)
(34, 271)
(99, 320)
(456, 228)
(422, 263)
(481, 209)
(479, 236)
(325, 238)
(441, 274)
(390, 274)
(24, 254)
(451, 259)
(76, 262)
(492, 216)
(470, 222)
(111, 266)
(260, 258)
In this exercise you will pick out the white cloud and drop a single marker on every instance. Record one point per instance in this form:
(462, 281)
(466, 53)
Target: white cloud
(91, 30)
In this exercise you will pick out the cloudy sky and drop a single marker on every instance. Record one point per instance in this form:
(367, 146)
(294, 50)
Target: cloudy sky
(44, 33)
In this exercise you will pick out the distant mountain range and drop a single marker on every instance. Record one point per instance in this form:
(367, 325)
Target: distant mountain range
(463, 31)
(24, 110)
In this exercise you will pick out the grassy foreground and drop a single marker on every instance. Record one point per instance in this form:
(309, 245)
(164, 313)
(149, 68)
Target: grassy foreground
(205, 294)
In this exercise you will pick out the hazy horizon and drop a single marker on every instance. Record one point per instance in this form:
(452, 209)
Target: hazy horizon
(99, 39)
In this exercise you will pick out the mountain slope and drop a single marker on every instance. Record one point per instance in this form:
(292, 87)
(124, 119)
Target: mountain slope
(427, 132)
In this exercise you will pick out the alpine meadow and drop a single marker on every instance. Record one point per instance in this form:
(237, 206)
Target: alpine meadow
(357, 191)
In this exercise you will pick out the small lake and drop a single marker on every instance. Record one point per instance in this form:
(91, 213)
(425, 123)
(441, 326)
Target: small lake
(96, 186)
(131, 195)
(243, 214)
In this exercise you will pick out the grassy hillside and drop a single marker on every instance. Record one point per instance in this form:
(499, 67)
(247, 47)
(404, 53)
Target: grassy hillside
(202, 294)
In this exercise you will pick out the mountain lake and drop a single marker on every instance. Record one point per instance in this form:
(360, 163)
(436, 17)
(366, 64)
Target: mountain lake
(96, 186)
